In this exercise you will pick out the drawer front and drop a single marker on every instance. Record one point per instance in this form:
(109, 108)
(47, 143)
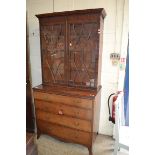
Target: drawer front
(67, 134)
(62, 109)
(78, 102)
(64, 120)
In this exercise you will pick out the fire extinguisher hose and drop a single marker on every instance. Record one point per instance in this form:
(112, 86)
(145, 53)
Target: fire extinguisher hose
(109, 105)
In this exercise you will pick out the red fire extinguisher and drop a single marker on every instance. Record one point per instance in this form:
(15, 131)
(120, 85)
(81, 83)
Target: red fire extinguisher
(112, 117)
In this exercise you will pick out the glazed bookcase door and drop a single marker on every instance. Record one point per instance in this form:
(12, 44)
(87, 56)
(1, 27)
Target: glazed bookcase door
(83, 53)
(53, 40)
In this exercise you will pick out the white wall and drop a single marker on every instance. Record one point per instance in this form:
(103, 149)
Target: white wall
(109, 73)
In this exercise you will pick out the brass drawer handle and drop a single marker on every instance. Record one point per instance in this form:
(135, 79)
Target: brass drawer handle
(77, 101)
(49, 128)
(77, 123)
(60, 112)
(48, 117)
(45, 97)
(77, 113)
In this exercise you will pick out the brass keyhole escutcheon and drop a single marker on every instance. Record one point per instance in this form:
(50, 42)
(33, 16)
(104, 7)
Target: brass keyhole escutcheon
(70, 44)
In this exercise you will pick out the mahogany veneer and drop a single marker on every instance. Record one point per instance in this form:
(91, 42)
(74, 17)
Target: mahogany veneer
(67, 103)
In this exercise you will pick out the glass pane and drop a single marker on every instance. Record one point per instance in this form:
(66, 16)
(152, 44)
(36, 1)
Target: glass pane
(83, 49)
(53, 48)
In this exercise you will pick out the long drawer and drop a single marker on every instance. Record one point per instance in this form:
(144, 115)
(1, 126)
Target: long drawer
(64, 120)
(78, 102)
(62, 109)
(65, 133)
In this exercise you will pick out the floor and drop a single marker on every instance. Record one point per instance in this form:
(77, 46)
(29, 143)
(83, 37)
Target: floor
(104, 145)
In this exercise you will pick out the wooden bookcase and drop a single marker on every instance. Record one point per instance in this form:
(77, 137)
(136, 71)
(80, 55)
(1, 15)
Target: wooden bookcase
(68, 100)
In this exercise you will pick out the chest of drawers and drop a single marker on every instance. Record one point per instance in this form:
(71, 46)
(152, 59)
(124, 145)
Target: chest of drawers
(70, 115)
